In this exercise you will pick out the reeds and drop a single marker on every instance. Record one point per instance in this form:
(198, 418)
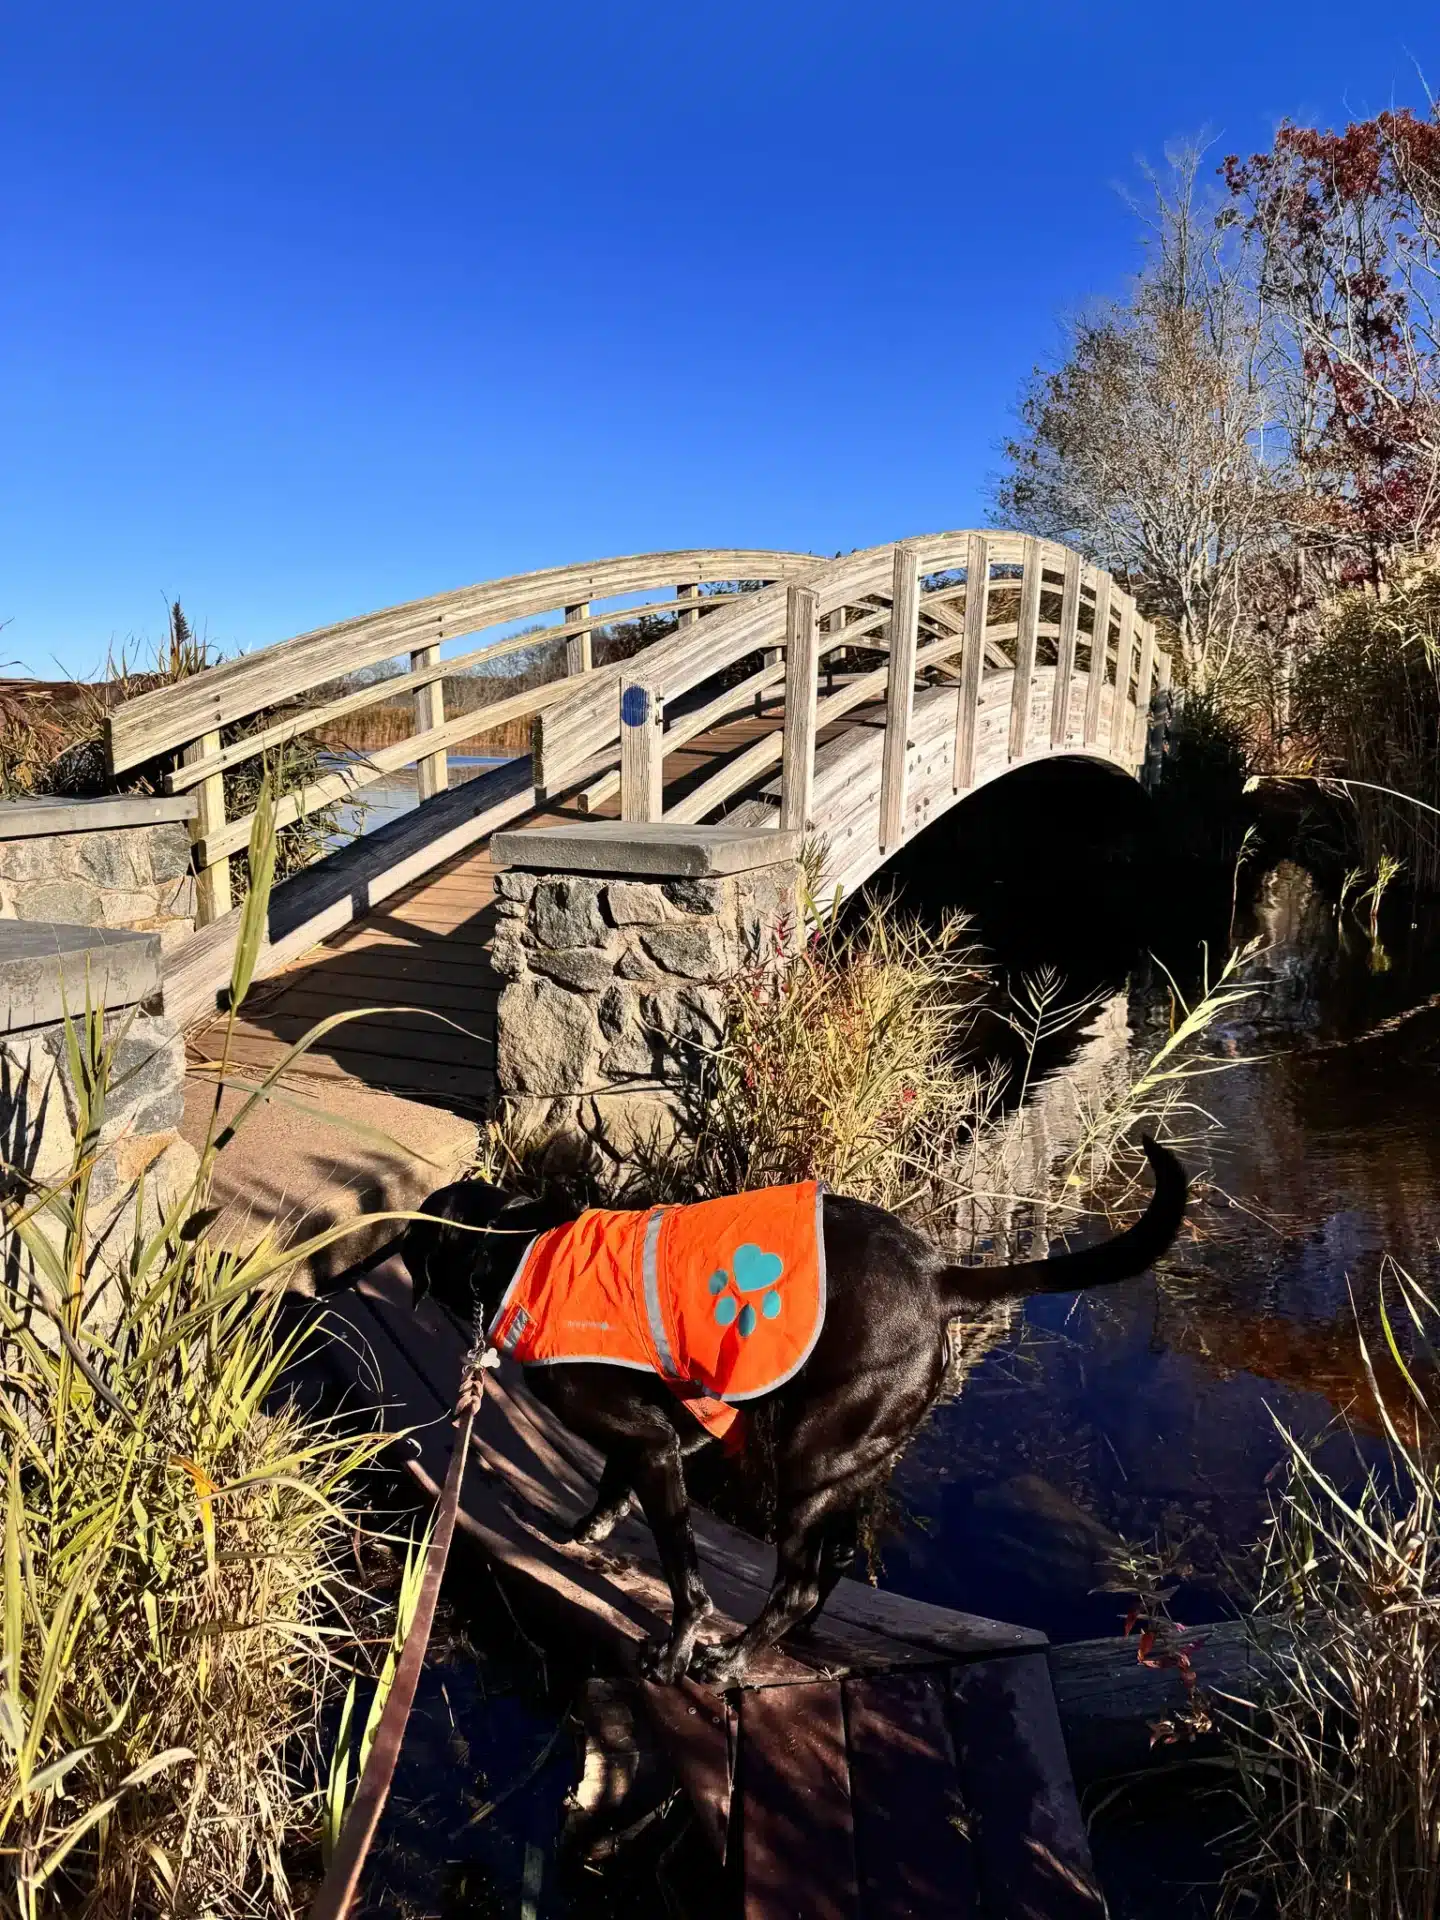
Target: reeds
(173, 1531)
(1341, 1779)
(843, 1061)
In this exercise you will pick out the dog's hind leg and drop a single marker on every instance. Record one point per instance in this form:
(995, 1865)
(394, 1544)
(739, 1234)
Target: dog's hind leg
(838, 1551)
(809, 1558)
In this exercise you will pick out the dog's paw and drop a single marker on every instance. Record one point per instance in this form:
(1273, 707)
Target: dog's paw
(662, 1660)
(719, 1663)
(594, 1528)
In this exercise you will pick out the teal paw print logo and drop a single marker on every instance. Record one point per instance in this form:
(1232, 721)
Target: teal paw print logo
(755, 1272)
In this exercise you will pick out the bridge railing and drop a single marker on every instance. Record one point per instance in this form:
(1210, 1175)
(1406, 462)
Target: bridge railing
(1039, 611)
(200, 729)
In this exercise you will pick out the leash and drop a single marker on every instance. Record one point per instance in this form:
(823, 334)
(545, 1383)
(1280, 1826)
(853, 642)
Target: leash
(342, 1880)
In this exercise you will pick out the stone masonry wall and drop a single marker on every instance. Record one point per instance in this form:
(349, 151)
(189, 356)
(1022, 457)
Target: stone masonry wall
(135, 877)
(614, 989)
(140, 1134)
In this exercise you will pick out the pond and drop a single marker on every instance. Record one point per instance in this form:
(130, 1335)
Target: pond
(1149, 1410)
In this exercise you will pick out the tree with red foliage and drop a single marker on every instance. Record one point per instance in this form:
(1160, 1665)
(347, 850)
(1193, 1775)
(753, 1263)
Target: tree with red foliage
(1345, 232)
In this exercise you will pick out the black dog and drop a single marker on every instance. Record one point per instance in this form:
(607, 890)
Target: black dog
(842, 1419)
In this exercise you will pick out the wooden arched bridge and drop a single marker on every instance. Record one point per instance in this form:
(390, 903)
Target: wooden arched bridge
(857, 699)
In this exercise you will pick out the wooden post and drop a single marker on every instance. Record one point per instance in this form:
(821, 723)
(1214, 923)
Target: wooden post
(802, 658)
(1099, 652)
(689, 616)
(834, 623)
(1124, 660)
(579, 648)
(899, 694)
(972, 660)
(432, 774)
(1031, 581)
(212, 884)
(1065, 664)
(1140, 736)
(642, 751)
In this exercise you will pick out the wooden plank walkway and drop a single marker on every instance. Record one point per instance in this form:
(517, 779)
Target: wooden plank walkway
(899, 1760)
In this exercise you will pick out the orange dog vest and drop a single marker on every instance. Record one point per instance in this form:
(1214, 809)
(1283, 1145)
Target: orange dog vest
(724, 1299)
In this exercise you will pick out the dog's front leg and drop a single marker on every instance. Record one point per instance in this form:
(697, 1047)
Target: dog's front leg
(656, 1471)
(613, 1498)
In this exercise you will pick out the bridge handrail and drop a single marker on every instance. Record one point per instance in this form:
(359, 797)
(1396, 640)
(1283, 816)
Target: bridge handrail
(187, 718)
(583, 735)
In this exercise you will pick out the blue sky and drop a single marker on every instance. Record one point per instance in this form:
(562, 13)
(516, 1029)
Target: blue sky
(306, 309)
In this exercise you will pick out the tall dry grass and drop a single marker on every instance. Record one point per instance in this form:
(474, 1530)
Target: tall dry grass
(1341, 1778)
(172, 1544)
(1367, 707)
(844, 1060)
(386, 725)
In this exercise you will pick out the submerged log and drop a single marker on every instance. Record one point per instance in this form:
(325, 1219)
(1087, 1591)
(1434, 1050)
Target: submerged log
(1111, 1703)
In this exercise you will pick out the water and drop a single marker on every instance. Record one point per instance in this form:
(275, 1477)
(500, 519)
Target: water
(1149, 1410)
(397, 793)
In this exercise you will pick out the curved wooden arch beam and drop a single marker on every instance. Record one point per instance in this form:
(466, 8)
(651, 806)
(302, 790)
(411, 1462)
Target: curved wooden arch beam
(173, 717)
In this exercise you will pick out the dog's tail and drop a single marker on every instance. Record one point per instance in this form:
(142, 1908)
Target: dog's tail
(1122, 1258)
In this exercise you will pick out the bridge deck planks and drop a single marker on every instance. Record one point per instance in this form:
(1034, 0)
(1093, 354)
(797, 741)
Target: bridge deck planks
(875, 1769)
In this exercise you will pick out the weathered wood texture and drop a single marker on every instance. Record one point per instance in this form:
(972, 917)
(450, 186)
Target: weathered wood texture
(1065, 657)
(1111, 1703)
(1099, 657)
(642, 750)
(1032, 1857)
(350, 887)
(802, 662)
(432, 772)
(1027, 640)
(972, 662)
(899, 693)
(171, 717)
(212, 871)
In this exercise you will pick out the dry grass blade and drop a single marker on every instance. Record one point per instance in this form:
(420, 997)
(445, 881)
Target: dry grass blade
(1342, 1780)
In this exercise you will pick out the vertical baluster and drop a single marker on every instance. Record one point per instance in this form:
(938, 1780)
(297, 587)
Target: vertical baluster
(1124, 662)
(1140, 733)
(1065, 664)
(642, 751)
(579, 647)
(972, 660)
(802, 658)
(834, 623)
(769, 657)
(899, 694)
(1031, 581)
(212, 883)
(432, 773)
(1099, 653)
(688, 616)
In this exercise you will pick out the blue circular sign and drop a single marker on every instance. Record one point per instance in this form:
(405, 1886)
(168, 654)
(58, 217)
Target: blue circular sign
(635, 706)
